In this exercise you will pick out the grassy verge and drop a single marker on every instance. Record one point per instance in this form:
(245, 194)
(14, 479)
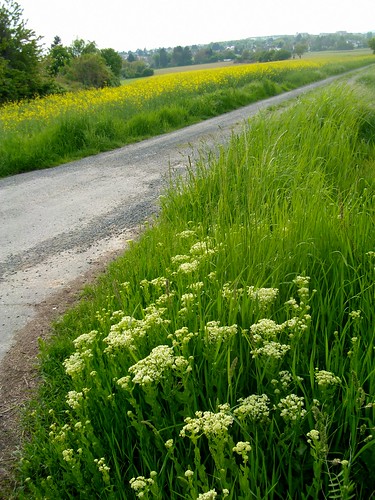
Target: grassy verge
(229, 352)
(57, 129)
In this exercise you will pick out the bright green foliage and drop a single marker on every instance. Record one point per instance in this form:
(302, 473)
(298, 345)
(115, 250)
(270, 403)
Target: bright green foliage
(20, 75)
(58, 57)
(371, 44)
(113, 60)
(230, 352)
(90, 70)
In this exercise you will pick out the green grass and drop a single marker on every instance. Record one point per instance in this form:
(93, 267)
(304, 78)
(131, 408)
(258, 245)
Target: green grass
(258, 280)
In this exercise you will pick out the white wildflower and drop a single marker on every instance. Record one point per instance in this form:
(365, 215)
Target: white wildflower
(255, 407)
(216, 333)
(74, 399)
(209, 495)
(265, 329)
(188, 233)
(68, 455)
(178, 259)
(272, 349)
(85, 340)
(188, 267)
(212, 425)
(313, 436)
(76, 362)
(355, 314)
(242, 448)
(264, 296)
(292, 408)
(325, 378)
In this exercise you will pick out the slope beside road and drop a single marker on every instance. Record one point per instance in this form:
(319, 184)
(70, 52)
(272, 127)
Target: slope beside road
(56, 224)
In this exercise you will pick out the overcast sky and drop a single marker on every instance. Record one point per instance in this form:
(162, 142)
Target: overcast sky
(128, 25)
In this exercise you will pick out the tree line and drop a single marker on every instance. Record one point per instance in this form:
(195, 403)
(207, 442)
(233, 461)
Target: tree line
(27, 72)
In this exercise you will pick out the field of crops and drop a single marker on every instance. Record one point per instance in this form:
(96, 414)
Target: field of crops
(230, 352)
(58, 128)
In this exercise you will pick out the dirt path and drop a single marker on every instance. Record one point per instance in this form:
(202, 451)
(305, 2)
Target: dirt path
(60, 227)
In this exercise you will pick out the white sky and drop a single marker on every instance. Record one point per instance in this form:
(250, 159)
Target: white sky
(129, 25)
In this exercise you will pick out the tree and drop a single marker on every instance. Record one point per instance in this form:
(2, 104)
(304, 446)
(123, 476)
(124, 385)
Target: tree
(136, 69)
(164, 58)
(113, 60)
(80, 47)
(58, 57)
(371, 44)
(181, 56)
(20, 68)
(91, 70)
(300, 48)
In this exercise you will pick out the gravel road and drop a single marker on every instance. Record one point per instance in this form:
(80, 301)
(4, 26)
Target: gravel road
(55, 224)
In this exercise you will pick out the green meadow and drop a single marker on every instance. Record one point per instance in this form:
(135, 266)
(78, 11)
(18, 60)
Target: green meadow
(229, 353)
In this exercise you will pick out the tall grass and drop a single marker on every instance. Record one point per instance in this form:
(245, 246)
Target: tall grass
(59, 128)
(229, 352)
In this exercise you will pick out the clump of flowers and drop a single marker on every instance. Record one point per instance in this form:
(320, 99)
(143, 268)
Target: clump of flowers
(142, 485)
(255, 407)
(74, 398)
(212, 425)
(265, 329)
(264, 297)
(325, 378)
(272, 349)
(243, 448)
(292, 408)
(76, 362)
(209, 495)
(152, 369)
(216, 333)
(128, 331)
(103, 468)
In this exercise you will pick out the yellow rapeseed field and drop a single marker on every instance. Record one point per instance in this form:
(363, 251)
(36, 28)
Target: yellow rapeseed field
(138, 93)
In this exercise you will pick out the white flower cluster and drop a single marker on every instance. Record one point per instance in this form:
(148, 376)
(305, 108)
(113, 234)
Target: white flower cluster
(243, 448)
(152, 368)
(271, 349)
(188, 267)
(209, 495)
(102, 467)
(292, 408)
(302, 283)
(230, 291)
(355, 314)
(263, 296)
(188, 233)
(127, 332)
(265, 329)
(216, 333)
(178, 259)
(255, 407)
(181, 336)
(85, 340)
(76, 362)
(68, 455)
(196, 287)
(74, 398)
(325, 378)
(203, 248)
(313, 436)
(212, 425)
(141, 484)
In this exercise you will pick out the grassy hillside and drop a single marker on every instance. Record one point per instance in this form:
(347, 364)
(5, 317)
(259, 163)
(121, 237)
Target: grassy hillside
(229, 352)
